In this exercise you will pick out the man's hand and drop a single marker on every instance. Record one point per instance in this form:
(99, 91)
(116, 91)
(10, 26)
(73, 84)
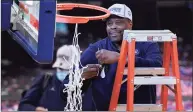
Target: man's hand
(91, 71)
(41, 109)
(107, 57)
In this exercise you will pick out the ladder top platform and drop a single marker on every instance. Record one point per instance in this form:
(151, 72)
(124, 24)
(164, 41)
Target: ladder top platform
(149, 35)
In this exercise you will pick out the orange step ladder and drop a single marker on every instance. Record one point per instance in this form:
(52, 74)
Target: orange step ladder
(170, 54)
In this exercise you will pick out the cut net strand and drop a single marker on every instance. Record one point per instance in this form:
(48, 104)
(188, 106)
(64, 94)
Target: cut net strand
(73, 88)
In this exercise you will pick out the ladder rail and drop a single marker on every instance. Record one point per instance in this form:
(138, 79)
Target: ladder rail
(118, 77)
(166, 60)
(175, 69)
(130, 76)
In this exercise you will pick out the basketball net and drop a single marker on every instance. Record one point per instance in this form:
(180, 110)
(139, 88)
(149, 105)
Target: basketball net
(73, 88)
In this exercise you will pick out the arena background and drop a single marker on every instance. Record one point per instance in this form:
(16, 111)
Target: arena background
(19, 70)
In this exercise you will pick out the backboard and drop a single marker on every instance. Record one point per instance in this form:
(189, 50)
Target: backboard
(33, 27)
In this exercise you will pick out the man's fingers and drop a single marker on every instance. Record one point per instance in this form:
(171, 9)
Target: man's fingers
(42, 109)
(98, 55)
(92, 69)
(100, 52)
(101, 58)
(89, 75)
(92, 74)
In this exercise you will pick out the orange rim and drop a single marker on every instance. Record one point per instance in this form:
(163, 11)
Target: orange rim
(79, 19)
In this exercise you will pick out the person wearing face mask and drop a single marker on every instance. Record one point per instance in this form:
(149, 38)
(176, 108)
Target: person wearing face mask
(49, 97)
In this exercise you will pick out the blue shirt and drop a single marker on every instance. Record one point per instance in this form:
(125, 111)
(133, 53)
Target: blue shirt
(147, 55)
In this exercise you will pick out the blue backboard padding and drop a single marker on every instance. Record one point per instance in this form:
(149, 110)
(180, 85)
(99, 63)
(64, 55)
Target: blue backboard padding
(22, 41)
(6, 13)
(46, 30)
(46, 33)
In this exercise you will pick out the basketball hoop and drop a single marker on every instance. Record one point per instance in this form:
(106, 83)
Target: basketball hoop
(79, 19)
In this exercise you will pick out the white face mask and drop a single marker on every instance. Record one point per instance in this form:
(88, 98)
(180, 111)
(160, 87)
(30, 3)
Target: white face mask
(61, 75)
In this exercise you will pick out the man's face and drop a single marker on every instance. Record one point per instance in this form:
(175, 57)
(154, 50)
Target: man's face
(115, 27)
(62, 63)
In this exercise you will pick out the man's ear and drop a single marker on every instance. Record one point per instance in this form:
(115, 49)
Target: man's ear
(130, 25)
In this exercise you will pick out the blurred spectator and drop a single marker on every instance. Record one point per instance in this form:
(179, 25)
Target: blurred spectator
(37, 97)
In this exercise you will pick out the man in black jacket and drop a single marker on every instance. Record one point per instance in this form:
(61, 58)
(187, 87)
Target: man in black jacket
(46, 92)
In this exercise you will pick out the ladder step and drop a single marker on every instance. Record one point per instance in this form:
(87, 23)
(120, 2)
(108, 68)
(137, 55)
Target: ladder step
(147, 71)
(153, 80)
(141, 107)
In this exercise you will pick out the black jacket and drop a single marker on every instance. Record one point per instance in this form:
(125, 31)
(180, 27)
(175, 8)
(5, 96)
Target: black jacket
(51, 97)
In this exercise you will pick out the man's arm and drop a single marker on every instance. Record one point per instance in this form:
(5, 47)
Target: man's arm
(152, 57)
(88, 56)
(30, 100)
